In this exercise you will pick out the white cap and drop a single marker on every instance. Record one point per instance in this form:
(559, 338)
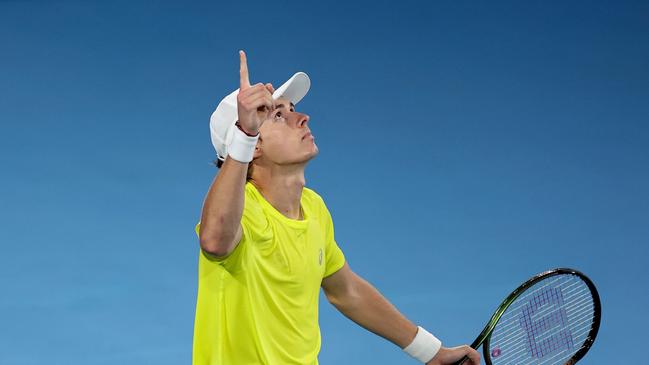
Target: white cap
(223, 119)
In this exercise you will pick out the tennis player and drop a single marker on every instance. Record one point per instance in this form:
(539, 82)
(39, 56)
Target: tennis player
(267, 245)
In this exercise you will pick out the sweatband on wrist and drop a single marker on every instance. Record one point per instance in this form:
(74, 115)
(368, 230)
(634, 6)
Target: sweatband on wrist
(424, 347)
(242, 147)
(238, 125)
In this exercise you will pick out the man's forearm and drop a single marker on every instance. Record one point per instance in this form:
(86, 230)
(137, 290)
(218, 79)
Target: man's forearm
(369, 309)
(223, 207)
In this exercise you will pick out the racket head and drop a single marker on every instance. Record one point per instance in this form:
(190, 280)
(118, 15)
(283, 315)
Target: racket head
(553, 318)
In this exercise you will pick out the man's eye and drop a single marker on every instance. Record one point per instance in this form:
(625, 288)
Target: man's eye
(278, 115)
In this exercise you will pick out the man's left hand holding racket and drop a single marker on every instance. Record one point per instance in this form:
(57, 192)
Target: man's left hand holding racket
(451, 355)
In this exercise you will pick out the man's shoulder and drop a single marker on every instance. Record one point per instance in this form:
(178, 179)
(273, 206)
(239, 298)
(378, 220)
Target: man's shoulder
(315, 202)
(252, 202)
(312, 196)
(251, 194)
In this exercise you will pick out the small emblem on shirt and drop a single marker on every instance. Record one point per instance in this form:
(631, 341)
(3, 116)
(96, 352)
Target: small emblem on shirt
(320, 258)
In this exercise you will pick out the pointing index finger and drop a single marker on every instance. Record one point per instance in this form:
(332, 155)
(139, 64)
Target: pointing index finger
(244, 81)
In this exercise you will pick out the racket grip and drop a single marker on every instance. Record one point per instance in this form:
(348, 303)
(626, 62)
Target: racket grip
(462, 361)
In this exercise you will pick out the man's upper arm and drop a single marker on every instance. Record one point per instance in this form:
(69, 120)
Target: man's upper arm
(340, 284)
(224, 255)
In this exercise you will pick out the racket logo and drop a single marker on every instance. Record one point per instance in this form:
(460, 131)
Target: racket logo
(548, 305)
(495, 352)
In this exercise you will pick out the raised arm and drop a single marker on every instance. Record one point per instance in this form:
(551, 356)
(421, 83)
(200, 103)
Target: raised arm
(220, 228)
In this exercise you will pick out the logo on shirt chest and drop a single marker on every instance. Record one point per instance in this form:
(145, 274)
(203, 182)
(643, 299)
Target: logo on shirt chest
(320, 257)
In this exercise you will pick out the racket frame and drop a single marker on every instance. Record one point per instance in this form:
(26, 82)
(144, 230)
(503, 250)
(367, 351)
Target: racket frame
(484, 337)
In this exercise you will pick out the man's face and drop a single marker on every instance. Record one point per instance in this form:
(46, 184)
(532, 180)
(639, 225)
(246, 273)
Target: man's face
(285, 138)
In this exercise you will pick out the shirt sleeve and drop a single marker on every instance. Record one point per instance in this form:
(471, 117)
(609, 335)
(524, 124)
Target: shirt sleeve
(334, 257)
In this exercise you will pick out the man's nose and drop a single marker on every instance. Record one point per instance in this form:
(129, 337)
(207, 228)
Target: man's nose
(302, 120)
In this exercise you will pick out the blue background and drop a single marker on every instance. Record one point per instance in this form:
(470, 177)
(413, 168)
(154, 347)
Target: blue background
(465, 146)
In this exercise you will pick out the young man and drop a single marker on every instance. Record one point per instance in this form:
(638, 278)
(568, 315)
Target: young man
(267, 245)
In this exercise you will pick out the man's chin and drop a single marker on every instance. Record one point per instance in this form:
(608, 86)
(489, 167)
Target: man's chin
(301, 160)
(310, 156)
(315, 151)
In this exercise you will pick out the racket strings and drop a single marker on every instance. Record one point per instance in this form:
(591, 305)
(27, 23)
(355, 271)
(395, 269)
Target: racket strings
(512, 328)
(529, 294)
(547, 324)
(506, 325)
(518, 342)
(584, 317)
(520, 350)
(521, 334)
(520, 347)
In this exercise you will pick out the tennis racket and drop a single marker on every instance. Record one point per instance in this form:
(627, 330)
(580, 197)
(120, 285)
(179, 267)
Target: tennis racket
(552, 318)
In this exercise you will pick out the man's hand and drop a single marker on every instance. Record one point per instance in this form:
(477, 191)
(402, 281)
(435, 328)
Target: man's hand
(449, 356)
(254, 103)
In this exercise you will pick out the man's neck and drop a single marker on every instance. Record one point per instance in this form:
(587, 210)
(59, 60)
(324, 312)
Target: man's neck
(282, 187)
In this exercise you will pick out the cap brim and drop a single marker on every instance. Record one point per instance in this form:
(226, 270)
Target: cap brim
(294, 89)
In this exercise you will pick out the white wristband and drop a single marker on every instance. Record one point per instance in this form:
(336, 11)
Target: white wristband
(243, 146)
(424, 347)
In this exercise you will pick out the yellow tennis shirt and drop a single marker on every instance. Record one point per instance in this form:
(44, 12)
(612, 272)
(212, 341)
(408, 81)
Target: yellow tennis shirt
(259, 304)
